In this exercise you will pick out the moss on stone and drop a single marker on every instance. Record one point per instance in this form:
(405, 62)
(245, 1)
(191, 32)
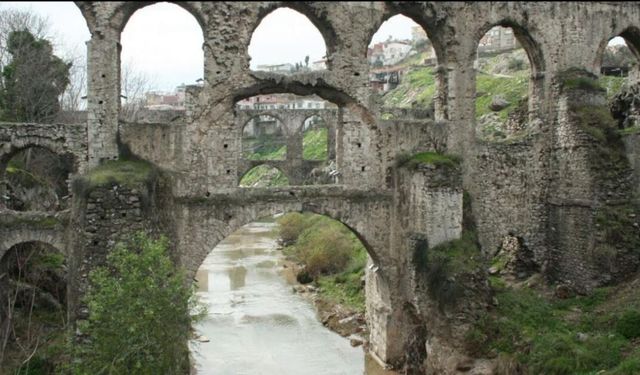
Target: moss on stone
(129, 173)
(629, 130)
(579, 79)
(122, 172)
(595, 121)
(47, 222)
(444, 267)
(617, 226)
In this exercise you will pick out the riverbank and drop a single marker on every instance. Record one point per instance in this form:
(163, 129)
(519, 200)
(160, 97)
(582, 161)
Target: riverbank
(344, 320)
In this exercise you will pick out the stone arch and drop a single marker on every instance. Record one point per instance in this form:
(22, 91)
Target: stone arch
(256, 114)
(313, 115)
(277, 139)
(53, 239)
(46, 144)
(255, 212)
(535, 56)
(417, 17)
(121, 15)
(89, 15)
(322, 24)
(530, 45)
(631, 36)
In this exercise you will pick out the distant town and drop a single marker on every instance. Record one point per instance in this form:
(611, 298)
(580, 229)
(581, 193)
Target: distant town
(389, 61)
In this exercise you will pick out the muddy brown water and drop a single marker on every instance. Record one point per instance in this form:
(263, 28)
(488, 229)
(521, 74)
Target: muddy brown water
(256, 324)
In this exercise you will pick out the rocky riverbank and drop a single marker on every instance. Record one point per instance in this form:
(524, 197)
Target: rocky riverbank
(341, 319)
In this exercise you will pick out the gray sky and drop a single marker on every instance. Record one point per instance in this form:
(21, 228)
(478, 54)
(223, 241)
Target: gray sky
(164, 41)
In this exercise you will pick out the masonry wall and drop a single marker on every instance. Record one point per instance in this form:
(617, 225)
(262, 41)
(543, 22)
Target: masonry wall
(545, 189)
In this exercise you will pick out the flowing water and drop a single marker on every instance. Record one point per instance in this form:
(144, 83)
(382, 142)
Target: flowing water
(256, 324)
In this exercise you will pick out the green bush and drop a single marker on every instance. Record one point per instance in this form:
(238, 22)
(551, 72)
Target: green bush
(629, 324)
(332, 255)
(140, 313)
(323, 250)
(291, 226)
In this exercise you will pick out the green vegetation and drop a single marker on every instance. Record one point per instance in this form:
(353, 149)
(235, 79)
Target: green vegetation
(332, 256)
(264, 176)
(417, 88)
(611, 84)
(265, 148)
(315, 144)
(314, 148)
(124, 172)
(43, 222)
(512, 89)
(33, 291)
(444, 266)
(24, 177)
(140, 313)
(506, 75)
(595, 121)
(580, 335)
(616, 224)
(23, 98)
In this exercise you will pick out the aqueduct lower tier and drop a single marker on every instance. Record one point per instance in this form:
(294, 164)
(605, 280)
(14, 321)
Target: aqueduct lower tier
(549, 188)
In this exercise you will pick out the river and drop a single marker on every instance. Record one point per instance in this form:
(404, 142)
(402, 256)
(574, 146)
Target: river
(256, 323)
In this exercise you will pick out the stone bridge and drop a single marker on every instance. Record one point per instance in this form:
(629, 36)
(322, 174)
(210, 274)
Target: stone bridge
(547, 188)
(61, 139)
(294, 166)
(44, 227)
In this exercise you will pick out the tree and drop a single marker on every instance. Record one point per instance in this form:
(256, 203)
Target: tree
(306, 61)
(33, 80)
(135, 85)
(140, 313)
(73, 97)
(14, 20)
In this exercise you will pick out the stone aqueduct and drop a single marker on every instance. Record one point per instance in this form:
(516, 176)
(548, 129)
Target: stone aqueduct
(544, 189)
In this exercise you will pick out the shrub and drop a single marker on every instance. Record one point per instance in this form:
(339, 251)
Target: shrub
(140, 313)
(629, 324)
(292, 225)
(515, 64)
(324, 250)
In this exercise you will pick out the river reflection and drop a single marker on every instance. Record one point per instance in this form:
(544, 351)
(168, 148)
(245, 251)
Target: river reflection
(256, 324)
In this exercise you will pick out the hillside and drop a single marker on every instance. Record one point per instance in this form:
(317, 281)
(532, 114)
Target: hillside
(502, 79)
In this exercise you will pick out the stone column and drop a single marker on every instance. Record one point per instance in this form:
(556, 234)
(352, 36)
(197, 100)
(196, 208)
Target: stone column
(294, 156)
(103, 98)
(331, 137)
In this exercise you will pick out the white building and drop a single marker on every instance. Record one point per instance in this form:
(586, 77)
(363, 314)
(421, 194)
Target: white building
(319, 65)
(498, 39)
(277, 68)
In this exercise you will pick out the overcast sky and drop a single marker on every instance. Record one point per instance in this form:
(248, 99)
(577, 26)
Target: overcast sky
(164, 41)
